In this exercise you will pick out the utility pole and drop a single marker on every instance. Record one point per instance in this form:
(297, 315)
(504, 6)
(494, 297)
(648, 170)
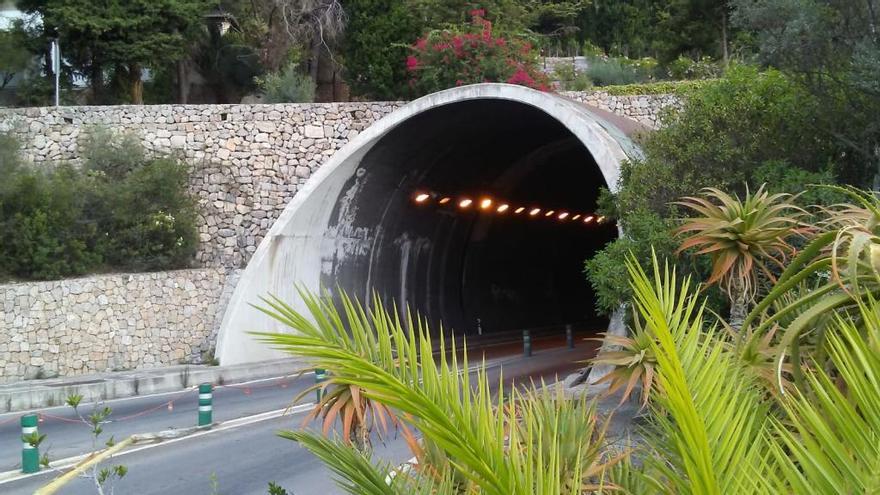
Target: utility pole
(55, 51)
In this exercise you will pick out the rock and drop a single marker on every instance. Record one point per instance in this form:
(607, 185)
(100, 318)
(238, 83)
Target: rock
(313, 131)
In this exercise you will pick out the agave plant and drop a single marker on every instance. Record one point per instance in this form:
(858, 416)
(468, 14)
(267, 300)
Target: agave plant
(632, 362)
(846, 258)
(501, 442)
(360, 416)
(745, 238)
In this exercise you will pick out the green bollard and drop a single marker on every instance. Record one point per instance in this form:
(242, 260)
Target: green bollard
(569, 338)
(30, 455)
(320, 376)
(206, 404)
(527, 343)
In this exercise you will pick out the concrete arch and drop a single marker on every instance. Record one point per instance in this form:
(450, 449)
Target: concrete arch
(309, 239)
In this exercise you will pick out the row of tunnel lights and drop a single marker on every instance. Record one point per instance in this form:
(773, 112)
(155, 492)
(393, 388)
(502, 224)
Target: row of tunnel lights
(490, 205)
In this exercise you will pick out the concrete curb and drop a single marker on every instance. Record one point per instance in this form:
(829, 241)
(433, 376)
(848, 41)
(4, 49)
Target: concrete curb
(37, 394)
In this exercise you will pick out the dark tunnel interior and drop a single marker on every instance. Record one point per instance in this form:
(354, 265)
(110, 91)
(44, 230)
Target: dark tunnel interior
(459, 265)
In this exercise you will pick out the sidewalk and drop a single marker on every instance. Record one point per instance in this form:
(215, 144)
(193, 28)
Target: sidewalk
(36, 394)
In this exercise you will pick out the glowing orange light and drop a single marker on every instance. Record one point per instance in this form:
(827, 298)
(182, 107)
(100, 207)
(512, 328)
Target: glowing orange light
(600, 219)
(535, 211)
(422, 197)
(563, 215)
(588, 219)
(519, 210)
(503, 208)
(465, 203)
(576, 216)
(485, 203)
(445, 200)
(549, 213)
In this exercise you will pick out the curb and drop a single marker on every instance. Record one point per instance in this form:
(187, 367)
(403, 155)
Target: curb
(38, 394)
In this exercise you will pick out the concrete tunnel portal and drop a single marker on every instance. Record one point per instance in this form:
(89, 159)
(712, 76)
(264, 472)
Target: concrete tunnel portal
(358, 226)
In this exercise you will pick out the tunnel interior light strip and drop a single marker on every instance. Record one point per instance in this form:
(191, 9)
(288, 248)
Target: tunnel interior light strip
(486, 204)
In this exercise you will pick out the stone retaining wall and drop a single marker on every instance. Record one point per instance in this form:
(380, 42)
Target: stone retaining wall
(106, 322)
(648, 110)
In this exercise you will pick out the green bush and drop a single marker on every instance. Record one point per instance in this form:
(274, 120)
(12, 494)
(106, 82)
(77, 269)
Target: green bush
(122, 209)
(684, 68)
(570, 79)
(746, 128)
(612, 71)
(655, 88)
(289, 85)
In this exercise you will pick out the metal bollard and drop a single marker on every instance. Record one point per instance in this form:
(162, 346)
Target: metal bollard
(320, 376)
(527, 343)
(569, 338)
(30, 455)
(206, 404)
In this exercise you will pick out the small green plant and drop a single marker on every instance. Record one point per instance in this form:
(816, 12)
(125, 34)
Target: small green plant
(289, 85)
(276, 489)
(104, 477)
(607, 71)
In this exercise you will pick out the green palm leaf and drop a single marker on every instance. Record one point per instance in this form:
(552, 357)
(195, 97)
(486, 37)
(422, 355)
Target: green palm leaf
(710, 420)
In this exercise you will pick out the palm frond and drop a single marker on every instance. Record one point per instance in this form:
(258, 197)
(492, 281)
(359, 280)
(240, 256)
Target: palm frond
(830, 441)
(391, 360)
(710, 419)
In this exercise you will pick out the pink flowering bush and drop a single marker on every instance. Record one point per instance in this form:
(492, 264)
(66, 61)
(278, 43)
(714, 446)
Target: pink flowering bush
(472, 54)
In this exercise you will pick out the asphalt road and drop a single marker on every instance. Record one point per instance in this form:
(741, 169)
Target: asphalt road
(239, 460)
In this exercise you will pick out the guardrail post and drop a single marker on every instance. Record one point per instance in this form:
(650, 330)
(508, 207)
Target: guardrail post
(206, 404)
(527, 343)
(320, 376)
(30, 454)
(569, 338)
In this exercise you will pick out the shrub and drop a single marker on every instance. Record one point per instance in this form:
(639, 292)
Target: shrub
(687, 68)
(289, 85)
(606, 71)
(745, 128)
(46, 230)
(121, 209)
(570, 79)
(471, 54)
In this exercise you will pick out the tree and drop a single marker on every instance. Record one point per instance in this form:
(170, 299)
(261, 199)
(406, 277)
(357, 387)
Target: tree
(14, 56)
(125, 36)
(376, 44)
(832, 49)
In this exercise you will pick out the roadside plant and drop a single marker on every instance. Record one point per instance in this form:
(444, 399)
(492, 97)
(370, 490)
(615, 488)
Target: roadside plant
(359, 415)
(103, 477)
(499, 442)
(747, 239)
(632, 360)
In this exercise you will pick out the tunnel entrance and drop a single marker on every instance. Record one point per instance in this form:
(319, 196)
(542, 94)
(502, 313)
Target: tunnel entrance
(358, 225)
(474, 269)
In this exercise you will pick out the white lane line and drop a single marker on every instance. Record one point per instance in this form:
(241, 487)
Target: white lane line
(62, 464)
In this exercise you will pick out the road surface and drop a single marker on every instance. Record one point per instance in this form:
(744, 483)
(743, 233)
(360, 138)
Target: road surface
(240, 460)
